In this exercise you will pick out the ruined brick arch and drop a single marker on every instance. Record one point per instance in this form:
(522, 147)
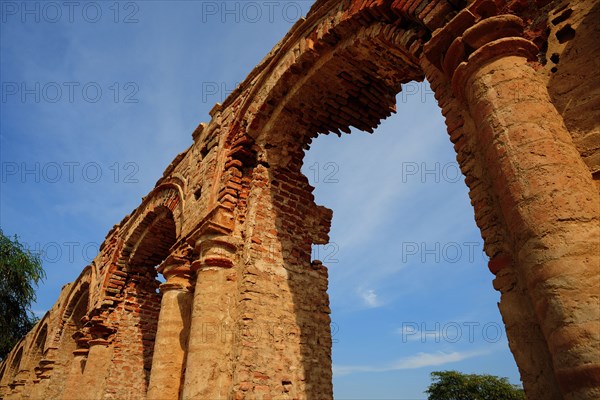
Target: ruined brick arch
(144, 247)
(160, 214)
(41, 335)
(15, 363)
(15, 360)
(168, 195)
(2, 371)
(148, 239)
(38, 346)
(71, 337)
(73, 308)
(32, 352)
(385, 33)
(78, 294)
(343, 71)
(357, 79)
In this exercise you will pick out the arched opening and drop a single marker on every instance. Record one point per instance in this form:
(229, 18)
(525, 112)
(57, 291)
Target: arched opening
(137, 315)
(15, 363)
(13, 370)
(37, 368)
(39, 348)
(151, 251)
(405, 258)
(353, 79)
(40, 341)
(349, 80)
(72, 322)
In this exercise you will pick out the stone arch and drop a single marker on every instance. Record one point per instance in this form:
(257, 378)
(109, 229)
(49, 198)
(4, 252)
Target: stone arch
(341, 68)
(2, 371)
(36, 350)
(358, 77)
(348, 81)
(165, 199)
(156, 224)
(344, 70)
(15, 362)
(327, 27)
(76, 304)
(38, 345)
(178, 182)
(69, 337)
(12, 371)
(170, 195)
(39, 341)
(164, 203)
(133, 287)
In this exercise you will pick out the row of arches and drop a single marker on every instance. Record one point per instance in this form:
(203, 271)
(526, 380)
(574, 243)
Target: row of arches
(26, 370)
(53, 360)
(341, 67)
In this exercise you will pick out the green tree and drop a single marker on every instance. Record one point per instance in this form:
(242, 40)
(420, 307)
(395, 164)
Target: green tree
(20, 269)
(453, 385)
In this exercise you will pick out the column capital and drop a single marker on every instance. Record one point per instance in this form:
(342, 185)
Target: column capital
(218, 221)
(215, 250)
(176, 271)
(505, 47)
(472, 39)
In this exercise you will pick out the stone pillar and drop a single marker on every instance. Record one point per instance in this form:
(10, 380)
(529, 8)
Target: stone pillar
(545, 191)
(524, 334)
(525, 337)
(92, 383)
(209, 372)
(72, 388)
(168, 361)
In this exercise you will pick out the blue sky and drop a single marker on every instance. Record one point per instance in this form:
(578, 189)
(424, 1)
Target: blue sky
(98, 99)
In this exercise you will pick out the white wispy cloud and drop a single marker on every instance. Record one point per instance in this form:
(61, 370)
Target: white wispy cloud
(369, 297)
(418, 360)
(409, 333)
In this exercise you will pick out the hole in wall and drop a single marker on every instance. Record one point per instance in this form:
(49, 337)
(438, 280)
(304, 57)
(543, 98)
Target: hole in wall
(543, 46)
(562, 17)
(565, 34)
(161, 279)
(555, 58)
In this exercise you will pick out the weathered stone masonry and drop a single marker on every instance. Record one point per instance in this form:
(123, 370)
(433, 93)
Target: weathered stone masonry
(244, 312)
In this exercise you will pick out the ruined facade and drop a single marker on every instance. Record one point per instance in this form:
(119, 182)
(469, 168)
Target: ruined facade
(244, 312)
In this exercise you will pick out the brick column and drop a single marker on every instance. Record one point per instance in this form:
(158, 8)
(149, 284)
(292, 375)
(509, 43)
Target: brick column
(168, 360)
(524, 334)
(545, 191)
(209, 372)
(93, 380)
(72, 387)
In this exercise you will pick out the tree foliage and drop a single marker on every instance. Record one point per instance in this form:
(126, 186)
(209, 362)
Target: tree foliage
(453, 385)
(20, 270)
